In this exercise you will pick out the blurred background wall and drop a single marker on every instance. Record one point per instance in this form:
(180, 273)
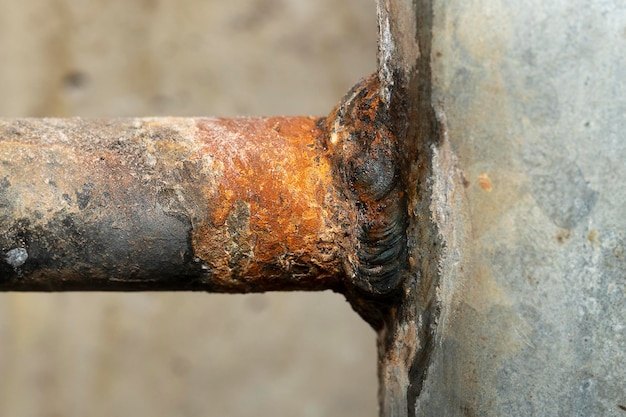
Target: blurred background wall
(183, 354)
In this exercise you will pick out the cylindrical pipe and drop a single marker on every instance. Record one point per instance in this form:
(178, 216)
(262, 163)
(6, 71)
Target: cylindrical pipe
(226, 205)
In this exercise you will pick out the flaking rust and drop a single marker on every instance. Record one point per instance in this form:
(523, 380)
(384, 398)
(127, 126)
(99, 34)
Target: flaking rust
(224, 205)
(273, 217)
(365, 157)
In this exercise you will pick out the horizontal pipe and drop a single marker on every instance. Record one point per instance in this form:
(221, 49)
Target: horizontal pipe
(224, 205)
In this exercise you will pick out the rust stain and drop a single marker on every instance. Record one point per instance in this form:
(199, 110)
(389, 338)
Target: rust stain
(563, 235)
(271, 208)
(592, 236)
(484, 182)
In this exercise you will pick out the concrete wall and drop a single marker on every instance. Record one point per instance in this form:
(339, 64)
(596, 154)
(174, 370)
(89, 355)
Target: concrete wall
(183, 354)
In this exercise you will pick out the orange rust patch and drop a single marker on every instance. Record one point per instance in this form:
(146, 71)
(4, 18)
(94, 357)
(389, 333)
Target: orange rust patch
(270, 206)
(484, 182)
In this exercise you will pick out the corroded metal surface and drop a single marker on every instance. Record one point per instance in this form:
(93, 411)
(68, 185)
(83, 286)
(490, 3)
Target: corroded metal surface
(365, 156)
(146, 204)
(407, 337)
(274, 213)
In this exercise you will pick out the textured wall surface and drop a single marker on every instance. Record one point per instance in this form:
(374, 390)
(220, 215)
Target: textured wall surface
(536, 105)
(183, 354)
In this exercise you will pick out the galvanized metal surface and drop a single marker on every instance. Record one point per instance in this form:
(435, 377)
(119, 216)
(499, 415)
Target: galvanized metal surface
(521, 312)
(534, 101)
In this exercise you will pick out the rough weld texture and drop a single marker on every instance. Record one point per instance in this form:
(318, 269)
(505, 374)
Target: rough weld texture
(160, 204)
(365, 157)
(407, 338)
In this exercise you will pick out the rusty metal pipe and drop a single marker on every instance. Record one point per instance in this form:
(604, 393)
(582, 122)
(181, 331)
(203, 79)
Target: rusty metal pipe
(224, 205)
